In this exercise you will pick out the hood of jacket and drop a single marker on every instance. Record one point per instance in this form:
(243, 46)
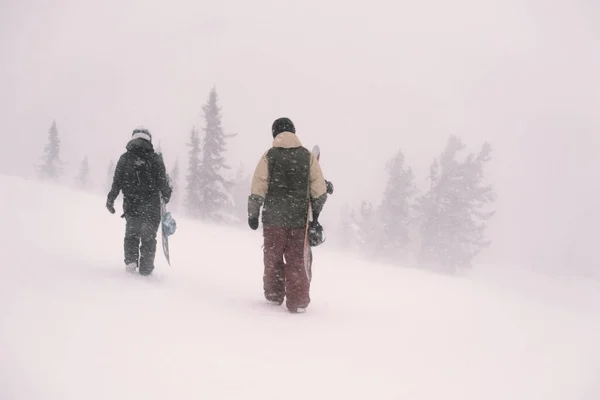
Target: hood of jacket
(139, 145)
(287, 140)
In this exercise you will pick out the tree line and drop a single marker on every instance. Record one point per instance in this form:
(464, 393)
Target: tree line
(442, 227)
(206, 194)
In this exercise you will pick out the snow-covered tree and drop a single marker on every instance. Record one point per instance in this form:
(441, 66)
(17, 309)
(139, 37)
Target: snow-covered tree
(82, 180)
(193, 185)
(396, 212)
(454, 211)
(215, 200)
(51, 166)
(347, 234)
(174, 175)
(367, 228)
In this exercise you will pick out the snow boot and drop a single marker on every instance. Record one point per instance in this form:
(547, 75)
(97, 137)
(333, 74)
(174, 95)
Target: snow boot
(131, 267)
(274, 299)
(298, 310)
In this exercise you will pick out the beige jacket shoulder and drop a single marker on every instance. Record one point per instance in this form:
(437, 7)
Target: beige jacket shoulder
(287, 140)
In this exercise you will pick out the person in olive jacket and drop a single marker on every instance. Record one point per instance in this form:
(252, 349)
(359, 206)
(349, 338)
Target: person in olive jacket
(288, 184)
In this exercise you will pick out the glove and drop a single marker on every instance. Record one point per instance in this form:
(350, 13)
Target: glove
(253, 223)
(329, 186)
(110, 207)
(315, 234)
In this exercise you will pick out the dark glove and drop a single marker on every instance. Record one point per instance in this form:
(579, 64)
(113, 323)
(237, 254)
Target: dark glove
(110, 206)
(329, 186)
(316, 236)
(253, 223)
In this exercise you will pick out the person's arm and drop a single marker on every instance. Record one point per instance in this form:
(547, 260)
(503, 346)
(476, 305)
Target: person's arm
(258, 191)
(318, 188)
(117, 185)
(163, 181)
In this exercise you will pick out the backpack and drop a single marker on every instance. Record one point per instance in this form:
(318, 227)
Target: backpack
(139, 175)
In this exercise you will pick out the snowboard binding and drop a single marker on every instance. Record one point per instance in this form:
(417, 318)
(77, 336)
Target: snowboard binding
(169, 224)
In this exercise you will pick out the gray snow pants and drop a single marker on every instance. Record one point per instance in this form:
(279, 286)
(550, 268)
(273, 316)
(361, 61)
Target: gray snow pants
(140, 242)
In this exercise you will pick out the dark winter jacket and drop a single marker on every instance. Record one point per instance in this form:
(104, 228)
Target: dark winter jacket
(140, 174)
(285, 180)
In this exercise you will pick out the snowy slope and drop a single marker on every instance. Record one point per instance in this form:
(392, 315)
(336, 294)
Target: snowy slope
(74, 325)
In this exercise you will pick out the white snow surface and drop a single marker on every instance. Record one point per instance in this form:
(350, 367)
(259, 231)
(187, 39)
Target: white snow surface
(75, 325)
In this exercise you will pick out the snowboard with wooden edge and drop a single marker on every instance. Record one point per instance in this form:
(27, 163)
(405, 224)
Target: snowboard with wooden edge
(316, 151)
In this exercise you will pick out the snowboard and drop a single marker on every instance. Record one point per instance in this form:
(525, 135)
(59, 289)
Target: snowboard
(167, 224)
(316, 151)
(163, 231)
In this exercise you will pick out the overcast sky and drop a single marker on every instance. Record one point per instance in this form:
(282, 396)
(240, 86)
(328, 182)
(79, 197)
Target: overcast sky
(361, 79)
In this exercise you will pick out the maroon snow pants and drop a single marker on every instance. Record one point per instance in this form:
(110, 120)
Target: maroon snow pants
(285, 275)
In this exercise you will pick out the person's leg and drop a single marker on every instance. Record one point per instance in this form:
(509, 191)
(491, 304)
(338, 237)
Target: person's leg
(273, 276)
(149, 229)
(131, 243)
(297, 272)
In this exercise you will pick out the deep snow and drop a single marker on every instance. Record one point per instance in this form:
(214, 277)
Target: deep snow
(74, 325)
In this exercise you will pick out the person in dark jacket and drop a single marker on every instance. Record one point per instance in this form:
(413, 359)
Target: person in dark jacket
(287, 184)
(140, 174)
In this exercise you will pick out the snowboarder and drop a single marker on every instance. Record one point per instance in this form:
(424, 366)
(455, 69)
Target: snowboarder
(140, 174)
(286, 180)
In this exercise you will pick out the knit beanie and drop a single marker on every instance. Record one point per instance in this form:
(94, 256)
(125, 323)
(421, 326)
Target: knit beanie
(282, 125)
(141, 133)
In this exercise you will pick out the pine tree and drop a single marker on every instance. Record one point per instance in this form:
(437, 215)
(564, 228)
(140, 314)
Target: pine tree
(83, 177)
(347, 228)
(396, 209)
(367, 228)
(193, 186)
(215, 202)
(453, 215)
(51, 167)
(174, 175)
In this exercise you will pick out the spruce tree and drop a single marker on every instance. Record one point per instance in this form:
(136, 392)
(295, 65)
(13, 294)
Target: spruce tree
(454, 210)
(215, 202)
(83, 177)
(51, 167)
(367, 228)
(174, 175)
(347, 228)
(396, 211)
(193, 185)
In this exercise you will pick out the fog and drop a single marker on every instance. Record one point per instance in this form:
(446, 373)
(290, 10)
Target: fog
(76, 326)
(361, 79)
